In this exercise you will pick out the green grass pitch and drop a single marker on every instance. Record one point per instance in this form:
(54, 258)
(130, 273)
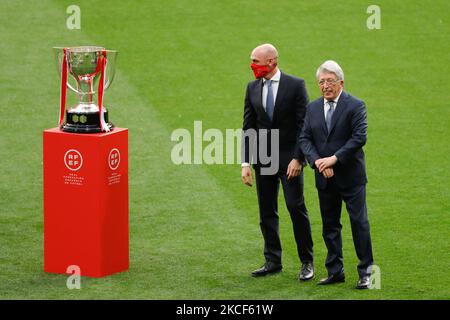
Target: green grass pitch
(194, 230)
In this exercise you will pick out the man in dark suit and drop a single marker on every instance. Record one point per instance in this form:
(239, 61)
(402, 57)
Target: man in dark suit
(275, 103)
(332, 140)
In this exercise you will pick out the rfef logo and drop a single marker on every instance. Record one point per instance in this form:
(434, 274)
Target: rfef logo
(114, 159)
(73, 160)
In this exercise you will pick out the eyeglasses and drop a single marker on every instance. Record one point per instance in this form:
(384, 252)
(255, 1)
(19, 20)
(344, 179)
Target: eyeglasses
(328, 82)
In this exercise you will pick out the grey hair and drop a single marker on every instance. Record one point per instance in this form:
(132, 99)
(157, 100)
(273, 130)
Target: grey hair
(330, 66)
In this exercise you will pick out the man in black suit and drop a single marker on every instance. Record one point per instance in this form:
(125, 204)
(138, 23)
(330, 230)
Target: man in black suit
(275, 103)
(332, 140)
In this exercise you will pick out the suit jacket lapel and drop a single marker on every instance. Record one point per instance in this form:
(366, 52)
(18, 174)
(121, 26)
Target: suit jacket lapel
(259, 97)
(322, 118)
(338, 111)
(280, 94)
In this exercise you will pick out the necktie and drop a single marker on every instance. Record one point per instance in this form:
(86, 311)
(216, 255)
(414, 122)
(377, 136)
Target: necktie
(270, 104)
(329, 115)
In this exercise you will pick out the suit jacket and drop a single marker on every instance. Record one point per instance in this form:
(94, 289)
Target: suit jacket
(288, 117)
(346, 139)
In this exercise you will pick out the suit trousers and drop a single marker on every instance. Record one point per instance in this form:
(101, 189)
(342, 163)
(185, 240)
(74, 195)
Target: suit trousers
(330, 200)
(267, 189)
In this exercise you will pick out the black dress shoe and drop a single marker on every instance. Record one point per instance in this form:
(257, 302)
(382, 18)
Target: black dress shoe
(267, 268)
(363, 283)
(307, 271)
(334, 278)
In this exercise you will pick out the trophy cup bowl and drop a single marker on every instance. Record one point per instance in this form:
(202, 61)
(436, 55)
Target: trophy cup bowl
(84, 73)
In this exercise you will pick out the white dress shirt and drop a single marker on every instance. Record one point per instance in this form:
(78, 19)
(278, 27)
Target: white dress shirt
(275, 83)
(326, 106)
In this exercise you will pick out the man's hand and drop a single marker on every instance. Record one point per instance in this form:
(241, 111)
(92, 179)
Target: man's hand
(247, 177)
(325, 163)
(294, 169)
(328, 173)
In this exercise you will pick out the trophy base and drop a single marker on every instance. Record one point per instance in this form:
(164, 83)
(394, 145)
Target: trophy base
(85, 122)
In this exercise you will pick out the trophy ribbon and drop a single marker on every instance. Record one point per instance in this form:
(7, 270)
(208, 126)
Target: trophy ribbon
(101, 85)
(63, 88)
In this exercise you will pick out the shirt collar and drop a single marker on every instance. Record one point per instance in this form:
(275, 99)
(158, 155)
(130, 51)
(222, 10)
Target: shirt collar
(275, 77)
(335, 100)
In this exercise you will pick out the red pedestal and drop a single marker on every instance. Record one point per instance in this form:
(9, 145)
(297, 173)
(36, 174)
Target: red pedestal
(86, 202)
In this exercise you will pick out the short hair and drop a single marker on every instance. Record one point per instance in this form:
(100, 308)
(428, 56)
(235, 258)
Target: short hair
(330, 66)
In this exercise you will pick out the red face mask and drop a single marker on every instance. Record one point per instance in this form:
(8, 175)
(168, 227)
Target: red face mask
(260, 71)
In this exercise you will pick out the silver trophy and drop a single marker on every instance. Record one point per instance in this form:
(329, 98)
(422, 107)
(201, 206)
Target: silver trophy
(87, 71)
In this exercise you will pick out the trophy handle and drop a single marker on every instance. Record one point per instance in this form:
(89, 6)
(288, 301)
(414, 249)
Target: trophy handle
(72, 88)
(59, 53)
(110, 67)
